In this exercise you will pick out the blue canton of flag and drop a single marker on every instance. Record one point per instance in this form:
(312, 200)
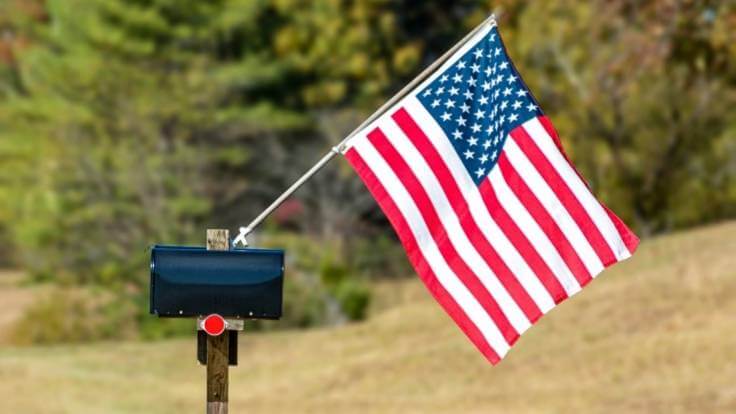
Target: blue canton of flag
(478, 101)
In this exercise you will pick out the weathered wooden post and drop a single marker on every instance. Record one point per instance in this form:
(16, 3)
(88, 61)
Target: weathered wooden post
(220, 286)
(218, 352)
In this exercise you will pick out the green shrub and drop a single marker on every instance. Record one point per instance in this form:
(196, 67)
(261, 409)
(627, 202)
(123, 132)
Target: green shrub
(354, 298)
(381, 256)
(154, 328)
(346, 287)
(320, 288)
(76, 315)
(304, 304)
(318, 276)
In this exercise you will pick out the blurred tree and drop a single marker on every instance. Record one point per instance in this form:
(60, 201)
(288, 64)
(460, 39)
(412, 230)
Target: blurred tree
(644, 94)
(129, 122)
(125, 122)
(132, 122)
(354, 55)
(101, 151)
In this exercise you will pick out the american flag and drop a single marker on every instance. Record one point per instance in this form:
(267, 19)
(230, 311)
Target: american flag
(494, 218)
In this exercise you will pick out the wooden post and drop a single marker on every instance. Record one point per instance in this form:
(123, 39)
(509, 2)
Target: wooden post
(217, 346)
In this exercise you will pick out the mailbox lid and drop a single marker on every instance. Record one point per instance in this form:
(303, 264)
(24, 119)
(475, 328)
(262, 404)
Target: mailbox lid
(192, 281)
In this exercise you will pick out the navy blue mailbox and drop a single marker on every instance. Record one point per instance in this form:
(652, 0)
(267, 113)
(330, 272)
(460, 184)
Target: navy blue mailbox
(194, 281)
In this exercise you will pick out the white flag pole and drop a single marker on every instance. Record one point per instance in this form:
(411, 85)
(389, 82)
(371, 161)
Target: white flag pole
(244, 231)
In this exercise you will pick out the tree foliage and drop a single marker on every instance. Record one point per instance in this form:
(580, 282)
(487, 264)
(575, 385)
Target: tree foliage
(643, 92)
(129, 122)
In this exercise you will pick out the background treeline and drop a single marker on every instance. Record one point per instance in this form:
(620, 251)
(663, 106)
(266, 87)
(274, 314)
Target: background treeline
(124, 123)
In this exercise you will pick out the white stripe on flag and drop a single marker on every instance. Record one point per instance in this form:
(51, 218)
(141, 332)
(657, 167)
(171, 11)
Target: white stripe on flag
(578, 187)
(488, 226)
(549, 200)
(451, 223)
(533, 232)
(462, 296)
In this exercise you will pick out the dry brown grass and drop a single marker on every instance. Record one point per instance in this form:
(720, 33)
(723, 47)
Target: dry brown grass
(14, 299)
(654, 335)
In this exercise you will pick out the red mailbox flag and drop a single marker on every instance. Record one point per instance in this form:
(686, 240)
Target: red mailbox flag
(214, 325)
(495, 219)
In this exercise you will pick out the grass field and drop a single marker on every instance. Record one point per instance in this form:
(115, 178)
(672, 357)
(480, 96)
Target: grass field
(656, 334)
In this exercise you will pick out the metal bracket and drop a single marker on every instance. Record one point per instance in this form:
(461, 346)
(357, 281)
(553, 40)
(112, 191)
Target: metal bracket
(232, 326)
(241, 237)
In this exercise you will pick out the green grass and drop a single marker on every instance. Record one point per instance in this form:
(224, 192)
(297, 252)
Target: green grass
(656, 334)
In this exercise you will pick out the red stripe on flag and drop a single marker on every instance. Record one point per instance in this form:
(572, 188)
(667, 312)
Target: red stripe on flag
(417, 259)
(571, 203)
(544, 220)
(425, 206)
(521, 242)
(631, 241)
(421, 142)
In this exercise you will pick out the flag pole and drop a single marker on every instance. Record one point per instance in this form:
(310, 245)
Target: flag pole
(244, 231)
